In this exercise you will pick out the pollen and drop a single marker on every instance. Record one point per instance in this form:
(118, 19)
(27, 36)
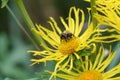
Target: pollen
(90, 75)
(69, 46)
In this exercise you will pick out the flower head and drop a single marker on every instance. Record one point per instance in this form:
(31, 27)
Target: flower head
(108, 12)
(93, 70)
(109, 16)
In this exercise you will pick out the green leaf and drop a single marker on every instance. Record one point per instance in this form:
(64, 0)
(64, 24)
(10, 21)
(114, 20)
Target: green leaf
(33, 79)
(116, 59)
(4, 3)
(40, 76)
(78, 62)
(84, 53)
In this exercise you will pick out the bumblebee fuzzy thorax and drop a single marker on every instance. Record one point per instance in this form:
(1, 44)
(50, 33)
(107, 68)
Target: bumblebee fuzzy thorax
(66, 35)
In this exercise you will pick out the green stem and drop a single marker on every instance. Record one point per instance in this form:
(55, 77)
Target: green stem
(94, 21)
(28, 21)
(25, 14)
(93, 10)
(21, 26)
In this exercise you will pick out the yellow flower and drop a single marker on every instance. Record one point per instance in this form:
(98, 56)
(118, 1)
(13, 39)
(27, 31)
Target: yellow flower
(93, 70)
(111, 4)
(65, 46)
(109, 14)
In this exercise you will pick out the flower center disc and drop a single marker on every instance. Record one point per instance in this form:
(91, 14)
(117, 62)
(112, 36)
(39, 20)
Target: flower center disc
(69, 46)
(90, 75)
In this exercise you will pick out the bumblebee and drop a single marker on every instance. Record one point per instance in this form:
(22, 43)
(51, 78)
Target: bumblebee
(66, 35)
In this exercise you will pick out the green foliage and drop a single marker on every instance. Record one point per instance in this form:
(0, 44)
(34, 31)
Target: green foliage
(116, 60)
(4, 3)
(84, 52)
(14, 63)
(78, 62)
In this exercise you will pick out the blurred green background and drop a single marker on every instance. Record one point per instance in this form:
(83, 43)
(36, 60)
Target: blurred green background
(14, 59)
